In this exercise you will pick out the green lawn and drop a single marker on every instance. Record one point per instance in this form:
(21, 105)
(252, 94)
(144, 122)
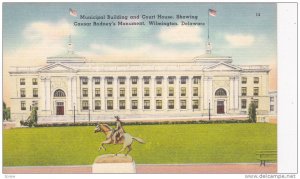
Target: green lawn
(165, 144)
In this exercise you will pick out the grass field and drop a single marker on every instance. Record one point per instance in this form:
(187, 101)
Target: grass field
(165, 144)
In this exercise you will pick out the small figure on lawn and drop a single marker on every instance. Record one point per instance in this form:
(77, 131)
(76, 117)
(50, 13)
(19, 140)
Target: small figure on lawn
(119, 131)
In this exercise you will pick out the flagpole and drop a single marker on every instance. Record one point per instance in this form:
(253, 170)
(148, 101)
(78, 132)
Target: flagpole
(208, 25)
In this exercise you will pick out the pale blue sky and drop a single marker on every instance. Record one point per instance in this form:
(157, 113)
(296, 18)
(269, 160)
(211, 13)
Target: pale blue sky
(232, 19)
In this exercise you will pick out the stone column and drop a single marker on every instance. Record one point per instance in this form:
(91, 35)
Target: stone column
(190, 90)
(236, 93)
(207, 94)
(47, 94)
(140, 93)
(42, 94)
(177, 93)
(127, 93)
(231, 94)
(165, 93)
(91, 93)
(74, 91)
(69, 94)
(152, 93)
(115, 92)
(102, 93)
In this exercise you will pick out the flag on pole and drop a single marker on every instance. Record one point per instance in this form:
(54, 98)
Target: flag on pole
(73, 12)
(212, 12)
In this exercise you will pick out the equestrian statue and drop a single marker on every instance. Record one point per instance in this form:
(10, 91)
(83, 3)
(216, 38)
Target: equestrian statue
(116, 136)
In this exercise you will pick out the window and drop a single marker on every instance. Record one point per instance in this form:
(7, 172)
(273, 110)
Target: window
(244, 103)
(122, 80)
(110, 104)
(196, 79)
(134, 79)
(97, 105)
(146, 92)
(195, 91)
(158, 104)
(146, 104)
(272, 108)
(134, 91)
(220, 92)
(159, 80)
(255, 91)
(171, 79)
(256, 103)
(170, 104)
(84, 80)
(34, 81)
(158, 91)
(59, 93)
(97, 92)
(85, 105)
(109, 80)
(244, 91)
(256, 80)
(146, 80)
(183, 79)
(195, 104)
(97, 80)
(22, 81)
(35, 92)
(23, 92)
(109, 92)
(122, 92)
(85, 92)
(171, 91)
(122, 104)
(182, 104)
(183, 91)
(244, 80)
(271, 99)
(23, 105)
(134, 104)
(35, 105)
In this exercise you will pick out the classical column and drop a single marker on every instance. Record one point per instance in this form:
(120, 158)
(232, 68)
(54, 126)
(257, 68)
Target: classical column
(42, 92)
(140, 93)
(91, 93)
(47, 93)
(165, 93)
(236, 93)
(207, 94)
(127, 93)
(69, 96)
(231, 94)
(74, 92)
(102, 93)
(177, 93)
(189, 101)
(152, 93)
(115, 92)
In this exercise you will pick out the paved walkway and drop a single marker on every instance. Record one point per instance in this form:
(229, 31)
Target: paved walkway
(153, 168)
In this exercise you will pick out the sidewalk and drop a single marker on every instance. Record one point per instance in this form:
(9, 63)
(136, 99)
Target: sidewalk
(243, 168)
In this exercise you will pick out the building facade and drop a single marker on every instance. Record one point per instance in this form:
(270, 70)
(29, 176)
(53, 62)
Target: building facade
(71, 85)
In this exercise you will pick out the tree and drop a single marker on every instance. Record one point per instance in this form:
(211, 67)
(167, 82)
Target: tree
(252, 112)
(31, 120)
(5, 112)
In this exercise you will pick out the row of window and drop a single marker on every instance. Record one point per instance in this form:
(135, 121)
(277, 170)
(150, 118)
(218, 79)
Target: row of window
(34, 92)
(146, 80)
(23, 82)
(255, 91)
(255, 80)
(134, 104)
(244, 103)
(134, 92)
(33, 105)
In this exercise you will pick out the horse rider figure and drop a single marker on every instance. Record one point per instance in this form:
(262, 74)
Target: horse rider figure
(119, 131)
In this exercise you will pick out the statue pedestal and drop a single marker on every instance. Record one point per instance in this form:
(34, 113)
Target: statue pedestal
(110, 163)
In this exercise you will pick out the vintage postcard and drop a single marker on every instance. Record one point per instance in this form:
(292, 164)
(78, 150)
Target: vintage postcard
(139, 87)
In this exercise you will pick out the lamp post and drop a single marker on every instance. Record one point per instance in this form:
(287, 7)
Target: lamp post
(209, 110)
(74, 112)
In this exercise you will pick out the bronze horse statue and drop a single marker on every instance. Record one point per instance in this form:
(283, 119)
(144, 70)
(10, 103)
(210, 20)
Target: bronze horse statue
(126, 139)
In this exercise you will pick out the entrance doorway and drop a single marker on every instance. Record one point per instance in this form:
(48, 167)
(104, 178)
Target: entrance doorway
(60, 108)
(220, 107)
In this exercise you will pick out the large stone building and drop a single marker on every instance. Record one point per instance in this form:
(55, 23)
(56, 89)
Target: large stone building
(70, 84)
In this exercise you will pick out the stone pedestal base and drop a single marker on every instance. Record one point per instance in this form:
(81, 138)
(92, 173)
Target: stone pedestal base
(110, 163)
